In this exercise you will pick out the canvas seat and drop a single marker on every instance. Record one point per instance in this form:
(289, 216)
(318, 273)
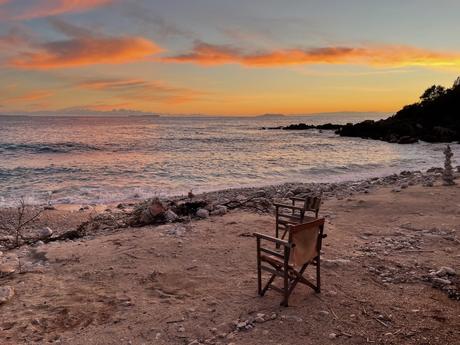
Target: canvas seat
(303, 248)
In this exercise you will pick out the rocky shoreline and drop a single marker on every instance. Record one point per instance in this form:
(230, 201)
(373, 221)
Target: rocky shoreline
(157, 211)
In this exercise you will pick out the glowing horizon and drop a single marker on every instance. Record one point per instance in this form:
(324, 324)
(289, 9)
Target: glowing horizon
(211, 58)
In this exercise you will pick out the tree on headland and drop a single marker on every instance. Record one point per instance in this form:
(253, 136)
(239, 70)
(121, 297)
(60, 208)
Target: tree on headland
(456, 82)
(436, 118)
(432, 93)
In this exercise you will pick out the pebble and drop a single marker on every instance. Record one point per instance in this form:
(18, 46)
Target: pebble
(445, 271)
(441, 281)
(171, 216)
(6, 294)
(332, 335)
(220, 210)
(336, 262)
(6, 269)
(202, 213)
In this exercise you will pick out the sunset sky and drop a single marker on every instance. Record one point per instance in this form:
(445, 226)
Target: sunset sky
(236, 57)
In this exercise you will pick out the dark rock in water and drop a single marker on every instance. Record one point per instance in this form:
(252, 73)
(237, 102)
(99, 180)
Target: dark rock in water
(435, 170)
(407, 140)
(300, 126)
(303, 126)
(329, 126)
(433, 119)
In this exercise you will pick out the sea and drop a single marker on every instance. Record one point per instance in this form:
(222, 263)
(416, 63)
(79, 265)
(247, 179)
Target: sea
(101, 159)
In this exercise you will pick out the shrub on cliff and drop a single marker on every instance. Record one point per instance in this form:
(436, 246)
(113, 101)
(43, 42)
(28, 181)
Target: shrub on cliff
(436, 118)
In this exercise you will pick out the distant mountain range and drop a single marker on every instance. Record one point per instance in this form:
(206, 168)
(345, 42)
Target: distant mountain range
(84, 112)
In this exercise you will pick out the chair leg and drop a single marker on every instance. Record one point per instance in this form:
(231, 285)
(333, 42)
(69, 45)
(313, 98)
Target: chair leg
(259, 269)
(286, 278)
(318, 274)
(264, 290)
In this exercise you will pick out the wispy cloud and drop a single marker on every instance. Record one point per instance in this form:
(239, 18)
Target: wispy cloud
(24, 10)
(31, 96)
(374, 55)
(155, 91)
(81, 51)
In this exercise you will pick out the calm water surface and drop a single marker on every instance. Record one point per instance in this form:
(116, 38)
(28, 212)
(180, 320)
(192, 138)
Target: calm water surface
(101, 159)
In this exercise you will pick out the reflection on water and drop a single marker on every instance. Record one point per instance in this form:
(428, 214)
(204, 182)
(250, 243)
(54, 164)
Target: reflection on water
(85, 160)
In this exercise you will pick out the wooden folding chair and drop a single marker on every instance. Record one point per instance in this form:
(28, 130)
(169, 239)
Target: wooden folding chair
(287, 215)
(302, 248)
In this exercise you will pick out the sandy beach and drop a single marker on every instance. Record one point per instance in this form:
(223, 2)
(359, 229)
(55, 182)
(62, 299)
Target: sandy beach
(195, 282)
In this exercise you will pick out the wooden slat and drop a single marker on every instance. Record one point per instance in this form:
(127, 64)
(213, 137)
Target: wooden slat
(271, 270)
(272, 287)
(272, 252)
(291, 207)
(272, 239)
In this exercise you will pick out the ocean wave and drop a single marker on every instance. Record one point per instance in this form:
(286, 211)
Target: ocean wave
(26, 172)
(40, 148)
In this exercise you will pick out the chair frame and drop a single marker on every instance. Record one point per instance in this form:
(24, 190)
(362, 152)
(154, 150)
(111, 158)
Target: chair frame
(281, 268)
(286, 220)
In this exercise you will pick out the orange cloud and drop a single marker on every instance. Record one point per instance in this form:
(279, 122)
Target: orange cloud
(382, 55)
(86, 51)
(155, 91)
(47, 8)
(31, 96)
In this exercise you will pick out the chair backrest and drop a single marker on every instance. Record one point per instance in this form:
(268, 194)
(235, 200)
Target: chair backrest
(312, 203)
(306, 239)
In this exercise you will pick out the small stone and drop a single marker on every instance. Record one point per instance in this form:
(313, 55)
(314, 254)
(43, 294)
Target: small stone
(332, 335)
(219, 210)
(265, 332)
(6, 294)
(202, 213)
(241, 325)
(445, 271)
(324, 312)
(170, 216)
(441, 282)
(45, 233)
(260, 318)
(6, 269)
(336, 262)
(181, 329)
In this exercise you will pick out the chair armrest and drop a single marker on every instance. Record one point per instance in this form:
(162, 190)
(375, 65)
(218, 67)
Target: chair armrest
(288, 206)
(272, 239)
(297, 198)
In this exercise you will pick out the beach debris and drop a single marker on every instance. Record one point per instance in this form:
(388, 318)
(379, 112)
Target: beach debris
(15, 221)
(448, 175)
(6, 294)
